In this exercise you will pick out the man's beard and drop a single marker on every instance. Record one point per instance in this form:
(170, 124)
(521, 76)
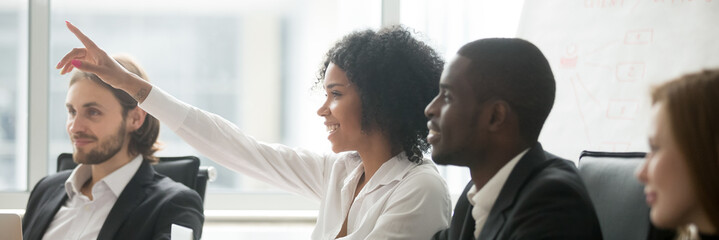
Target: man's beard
(106, 149)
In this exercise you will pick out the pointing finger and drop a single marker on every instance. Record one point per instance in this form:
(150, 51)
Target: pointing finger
(84, 39)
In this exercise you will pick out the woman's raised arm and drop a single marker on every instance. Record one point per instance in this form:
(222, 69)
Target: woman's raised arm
(93, 59)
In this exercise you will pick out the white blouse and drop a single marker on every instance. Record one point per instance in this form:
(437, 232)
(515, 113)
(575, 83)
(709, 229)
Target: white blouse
(403, 200)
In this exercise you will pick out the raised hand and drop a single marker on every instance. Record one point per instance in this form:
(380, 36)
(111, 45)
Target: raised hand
(93, 59)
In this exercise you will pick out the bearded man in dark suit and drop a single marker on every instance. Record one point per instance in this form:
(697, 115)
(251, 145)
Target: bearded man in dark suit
(114, 192)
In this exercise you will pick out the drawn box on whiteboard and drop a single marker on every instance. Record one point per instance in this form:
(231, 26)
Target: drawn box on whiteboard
(639, 36)
(622, 109)
(568, 62)
(630, 71)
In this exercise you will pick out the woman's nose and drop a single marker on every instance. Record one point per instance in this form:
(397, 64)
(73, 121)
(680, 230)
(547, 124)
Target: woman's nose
(323, 110)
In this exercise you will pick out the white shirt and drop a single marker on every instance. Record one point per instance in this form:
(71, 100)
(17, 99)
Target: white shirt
(483, 200)
(403, 200)
(82, 218)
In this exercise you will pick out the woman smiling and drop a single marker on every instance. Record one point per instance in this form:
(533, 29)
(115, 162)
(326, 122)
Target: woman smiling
(376, 183)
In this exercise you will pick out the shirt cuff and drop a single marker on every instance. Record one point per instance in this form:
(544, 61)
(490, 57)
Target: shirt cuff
(166, 108)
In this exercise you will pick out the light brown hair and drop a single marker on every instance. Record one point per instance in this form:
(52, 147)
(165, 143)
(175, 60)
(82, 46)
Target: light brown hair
(692, 105)
(143, 140)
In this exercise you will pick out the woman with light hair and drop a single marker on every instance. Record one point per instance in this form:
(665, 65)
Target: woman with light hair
(681, 172)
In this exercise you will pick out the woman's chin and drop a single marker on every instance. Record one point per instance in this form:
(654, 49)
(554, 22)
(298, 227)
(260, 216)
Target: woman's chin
(660, 221)
(338, 148)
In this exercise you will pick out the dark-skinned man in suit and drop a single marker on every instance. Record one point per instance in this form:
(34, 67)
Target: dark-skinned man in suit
(495, 95)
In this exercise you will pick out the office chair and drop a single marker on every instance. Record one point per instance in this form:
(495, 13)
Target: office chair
(185, 170)
(618, 197)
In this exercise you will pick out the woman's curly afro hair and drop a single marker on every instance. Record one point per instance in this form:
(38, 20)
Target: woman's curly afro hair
(396, 76)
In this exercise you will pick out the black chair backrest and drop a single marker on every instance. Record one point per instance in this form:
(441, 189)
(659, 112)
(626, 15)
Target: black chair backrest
(618, 197)
(185, 170)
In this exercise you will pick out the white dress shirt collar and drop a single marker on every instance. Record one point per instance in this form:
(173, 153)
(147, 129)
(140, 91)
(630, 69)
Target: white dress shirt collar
(483, 200)
(115, 181)
(81, 218)
(392, 170)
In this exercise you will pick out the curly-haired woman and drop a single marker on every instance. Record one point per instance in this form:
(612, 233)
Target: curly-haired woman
(376, 184)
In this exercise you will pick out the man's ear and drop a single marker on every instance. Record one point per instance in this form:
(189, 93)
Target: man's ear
(135, 118)
(500, 111)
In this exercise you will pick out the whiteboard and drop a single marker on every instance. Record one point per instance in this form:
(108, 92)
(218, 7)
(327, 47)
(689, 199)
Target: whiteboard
(606, 55)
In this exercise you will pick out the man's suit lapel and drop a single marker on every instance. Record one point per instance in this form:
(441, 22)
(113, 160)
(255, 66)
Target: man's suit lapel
(467, 231)
(48, 211)
(131, 197)
(507, 196)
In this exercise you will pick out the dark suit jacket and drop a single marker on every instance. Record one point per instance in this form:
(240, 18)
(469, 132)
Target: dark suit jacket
(543, 198)
(145, 209)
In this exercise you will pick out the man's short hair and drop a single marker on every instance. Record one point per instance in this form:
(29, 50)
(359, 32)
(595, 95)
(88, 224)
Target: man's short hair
(144, 139)
(516, 71)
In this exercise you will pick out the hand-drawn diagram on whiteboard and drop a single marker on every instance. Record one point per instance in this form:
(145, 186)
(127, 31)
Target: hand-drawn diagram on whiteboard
(606, 55)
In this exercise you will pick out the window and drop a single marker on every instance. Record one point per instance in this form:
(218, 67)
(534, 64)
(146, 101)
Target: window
(453, 23)
(13, 95)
